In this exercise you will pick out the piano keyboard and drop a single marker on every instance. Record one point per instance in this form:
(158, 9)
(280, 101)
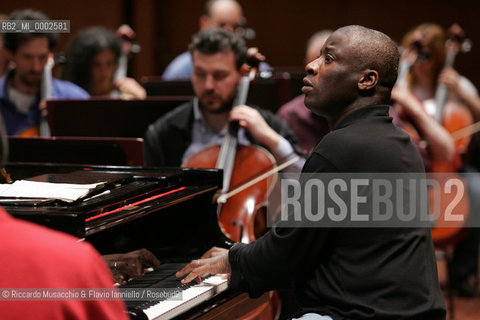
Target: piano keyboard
(193, 294)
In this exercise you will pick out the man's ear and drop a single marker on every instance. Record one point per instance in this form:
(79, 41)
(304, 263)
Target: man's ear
(369, 80)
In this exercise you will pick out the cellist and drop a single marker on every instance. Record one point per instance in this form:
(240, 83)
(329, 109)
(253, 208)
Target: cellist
(218, 68)
(218, 61)
(413, 103)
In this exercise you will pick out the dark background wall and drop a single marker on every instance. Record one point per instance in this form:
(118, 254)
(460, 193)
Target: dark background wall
(164, 27)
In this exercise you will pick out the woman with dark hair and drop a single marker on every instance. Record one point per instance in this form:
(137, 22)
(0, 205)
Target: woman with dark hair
(92, 59)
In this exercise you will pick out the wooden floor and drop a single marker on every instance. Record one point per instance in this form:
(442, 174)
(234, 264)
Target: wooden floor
(464, 308)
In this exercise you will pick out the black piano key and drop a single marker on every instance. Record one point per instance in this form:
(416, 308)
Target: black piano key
(157, 277)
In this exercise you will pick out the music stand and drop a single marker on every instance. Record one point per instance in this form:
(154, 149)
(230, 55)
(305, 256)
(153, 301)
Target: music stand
(100, 117)
(157, 86)
(77, 150)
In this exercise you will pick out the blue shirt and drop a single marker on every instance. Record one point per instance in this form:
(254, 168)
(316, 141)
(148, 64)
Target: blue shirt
(15, 121)
(182, 67)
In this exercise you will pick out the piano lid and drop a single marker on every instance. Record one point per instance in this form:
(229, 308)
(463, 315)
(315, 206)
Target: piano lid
(128, 194)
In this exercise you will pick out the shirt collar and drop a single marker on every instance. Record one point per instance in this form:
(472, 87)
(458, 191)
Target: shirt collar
(198, 117)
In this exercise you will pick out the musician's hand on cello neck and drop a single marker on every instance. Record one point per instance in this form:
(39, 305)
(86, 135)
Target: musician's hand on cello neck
(129, 265)
(127, 33)
(252, 121)
(249, 118)
(450, 78)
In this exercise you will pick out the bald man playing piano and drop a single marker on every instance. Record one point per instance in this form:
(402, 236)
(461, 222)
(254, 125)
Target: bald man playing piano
(344, 273)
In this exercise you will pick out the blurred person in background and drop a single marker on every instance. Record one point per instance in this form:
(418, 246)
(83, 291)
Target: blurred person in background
(20, 89)
(227, 14)
(92, 59)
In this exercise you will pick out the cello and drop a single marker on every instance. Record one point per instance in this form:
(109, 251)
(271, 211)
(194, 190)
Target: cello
(242, 201)
(243, 215)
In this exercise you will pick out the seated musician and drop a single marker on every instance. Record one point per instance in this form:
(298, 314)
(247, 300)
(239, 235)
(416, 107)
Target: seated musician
(307, 126)
(20, 88)
(92, 59)
(225, 14)
(345, 273)
(412, 102)
(218, 62)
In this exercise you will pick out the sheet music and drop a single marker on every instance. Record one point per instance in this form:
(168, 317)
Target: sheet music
(46, 190)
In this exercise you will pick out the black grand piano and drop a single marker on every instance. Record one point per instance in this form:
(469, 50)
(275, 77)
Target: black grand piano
(169, 211)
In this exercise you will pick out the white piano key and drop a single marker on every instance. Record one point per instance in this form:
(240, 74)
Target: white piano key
(191, 297)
